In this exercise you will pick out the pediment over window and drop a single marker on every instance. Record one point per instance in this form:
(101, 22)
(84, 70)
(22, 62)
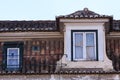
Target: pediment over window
(85, 13)
(84, 16)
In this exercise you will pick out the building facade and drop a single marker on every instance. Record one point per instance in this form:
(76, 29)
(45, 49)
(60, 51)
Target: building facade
(81, 42)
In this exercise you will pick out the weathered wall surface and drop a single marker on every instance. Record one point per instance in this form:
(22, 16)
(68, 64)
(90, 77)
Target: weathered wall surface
(62, 77)
(113, 50)
(49, 51)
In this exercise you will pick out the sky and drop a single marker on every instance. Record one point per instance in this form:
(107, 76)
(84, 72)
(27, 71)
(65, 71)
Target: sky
(49, 9)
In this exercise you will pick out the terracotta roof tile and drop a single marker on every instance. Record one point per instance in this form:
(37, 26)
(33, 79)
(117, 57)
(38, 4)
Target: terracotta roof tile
(23, 26)
(84, 14)
(85, 71)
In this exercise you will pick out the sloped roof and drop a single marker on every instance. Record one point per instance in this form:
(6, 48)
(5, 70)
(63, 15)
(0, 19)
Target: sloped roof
(85, 13)
(47, 25)
(23, 26)
(85, 71)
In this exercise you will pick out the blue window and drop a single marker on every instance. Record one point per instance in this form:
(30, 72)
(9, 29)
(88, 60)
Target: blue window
(13, 52)
(13, 57)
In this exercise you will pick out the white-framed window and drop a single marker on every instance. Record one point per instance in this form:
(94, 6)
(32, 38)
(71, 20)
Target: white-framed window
(13, 57)
(84, 45)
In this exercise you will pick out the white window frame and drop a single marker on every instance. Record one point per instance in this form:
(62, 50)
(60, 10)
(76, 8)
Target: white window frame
(18, 58)
(84, 44)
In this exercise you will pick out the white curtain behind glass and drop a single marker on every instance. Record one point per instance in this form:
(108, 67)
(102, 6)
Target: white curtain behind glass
(90, 46)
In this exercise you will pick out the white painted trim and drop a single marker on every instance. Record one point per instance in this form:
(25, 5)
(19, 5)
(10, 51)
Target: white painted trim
(84, 46)
(84, 20)
(8, 49)
(28, 35)
(87, 24)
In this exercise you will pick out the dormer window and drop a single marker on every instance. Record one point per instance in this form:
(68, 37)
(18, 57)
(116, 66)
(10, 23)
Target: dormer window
(84, 40)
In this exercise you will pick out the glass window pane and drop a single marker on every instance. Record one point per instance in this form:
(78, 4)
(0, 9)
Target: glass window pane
(13, 66)
(78, 46)
(78, 39)
(12, 63)
(13, 51)
(78, 52)
(90, 53)
(89, 39)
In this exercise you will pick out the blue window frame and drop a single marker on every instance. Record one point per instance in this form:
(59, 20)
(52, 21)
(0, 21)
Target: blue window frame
(13, 52)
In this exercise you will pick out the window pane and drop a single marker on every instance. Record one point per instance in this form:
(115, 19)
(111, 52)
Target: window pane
(78, 46)
(78, 39)
(78, 52)
(13, 51)
(13, 66)
(89, 39)
(90, 54)
(12, 63)
(90, 48)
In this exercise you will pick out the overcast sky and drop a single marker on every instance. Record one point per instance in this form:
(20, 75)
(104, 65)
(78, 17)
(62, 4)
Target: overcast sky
(48, 9)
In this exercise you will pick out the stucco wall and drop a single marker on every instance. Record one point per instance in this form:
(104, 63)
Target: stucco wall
(62, 77)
